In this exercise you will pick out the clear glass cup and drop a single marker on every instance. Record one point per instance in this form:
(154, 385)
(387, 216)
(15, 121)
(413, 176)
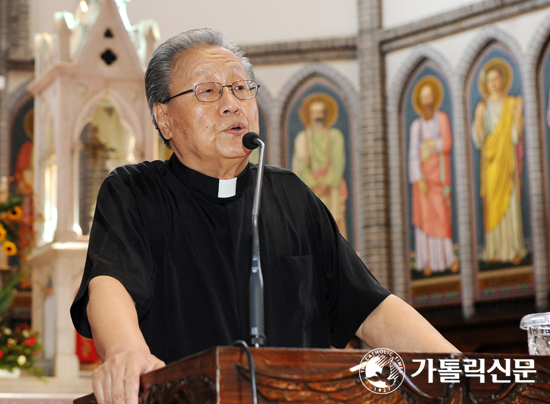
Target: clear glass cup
(538, 333)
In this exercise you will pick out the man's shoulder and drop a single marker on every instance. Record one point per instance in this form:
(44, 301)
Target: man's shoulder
(282, 177)
(278, 172)
(145, 168)
(131, 174)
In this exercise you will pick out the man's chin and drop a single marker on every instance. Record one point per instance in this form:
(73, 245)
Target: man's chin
(236, 155)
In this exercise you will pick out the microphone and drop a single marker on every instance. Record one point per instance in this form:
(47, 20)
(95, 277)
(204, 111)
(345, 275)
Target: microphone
(251, 141)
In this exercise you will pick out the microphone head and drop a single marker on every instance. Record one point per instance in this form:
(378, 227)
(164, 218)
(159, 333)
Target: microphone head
(250, 140)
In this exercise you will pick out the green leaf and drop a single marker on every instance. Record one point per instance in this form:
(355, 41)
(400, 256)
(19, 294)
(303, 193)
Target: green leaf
(8, 292)
(6, 300)
(11, 283)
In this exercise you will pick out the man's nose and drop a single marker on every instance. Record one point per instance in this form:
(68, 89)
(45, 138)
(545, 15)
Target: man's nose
(228, 102)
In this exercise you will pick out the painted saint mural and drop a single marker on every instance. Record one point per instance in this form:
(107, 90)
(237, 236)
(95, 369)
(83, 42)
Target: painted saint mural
(319, 158)
(497, 127)
(318, 133)
(497, 133)
(429, 161)
(21, 169)
(500, 186)
(544, 86)
(428, 145)
(22, 137)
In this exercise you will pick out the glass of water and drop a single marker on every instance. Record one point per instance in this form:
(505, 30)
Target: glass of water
(538, 333)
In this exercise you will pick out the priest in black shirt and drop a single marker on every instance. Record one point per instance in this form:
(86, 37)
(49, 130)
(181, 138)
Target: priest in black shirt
(168, 262)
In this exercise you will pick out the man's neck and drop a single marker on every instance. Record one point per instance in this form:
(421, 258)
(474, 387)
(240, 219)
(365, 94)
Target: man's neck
(223, 169)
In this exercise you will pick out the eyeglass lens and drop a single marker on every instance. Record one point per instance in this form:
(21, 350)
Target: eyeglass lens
(243, 89)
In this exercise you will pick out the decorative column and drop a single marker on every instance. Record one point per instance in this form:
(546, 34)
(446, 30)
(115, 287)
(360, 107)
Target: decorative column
(4, 114)
(373, 164)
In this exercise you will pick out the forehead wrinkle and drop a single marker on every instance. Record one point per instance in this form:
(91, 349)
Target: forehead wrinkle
(200, 70)
(234, 66)
(190, 67)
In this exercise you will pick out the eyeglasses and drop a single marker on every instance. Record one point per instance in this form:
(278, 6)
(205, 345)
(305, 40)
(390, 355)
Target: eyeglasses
(210, 92)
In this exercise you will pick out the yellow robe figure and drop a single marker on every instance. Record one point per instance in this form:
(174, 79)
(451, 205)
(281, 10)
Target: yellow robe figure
(319, 156)
(500, 182)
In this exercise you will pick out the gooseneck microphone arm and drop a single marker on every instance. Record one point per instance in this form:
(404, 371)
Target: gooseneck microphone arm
(257, 334)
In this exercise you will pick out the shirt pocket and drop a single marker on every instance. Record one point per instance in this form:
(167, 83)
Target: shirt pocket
(298, 287)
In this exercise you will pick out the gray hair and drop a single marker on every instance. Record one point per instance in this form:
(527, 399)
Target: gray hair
(159, 71)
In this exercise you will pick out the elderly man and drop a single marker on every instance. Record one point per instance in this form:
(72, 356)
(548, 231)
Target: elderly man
(170, 248)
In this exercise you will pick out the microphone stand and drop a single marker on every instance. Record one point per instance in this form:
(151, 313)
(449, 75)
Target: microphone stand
(257, 333)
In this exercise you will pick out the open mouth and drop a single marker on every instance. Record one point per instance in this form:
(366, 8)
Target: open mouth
(236, 128)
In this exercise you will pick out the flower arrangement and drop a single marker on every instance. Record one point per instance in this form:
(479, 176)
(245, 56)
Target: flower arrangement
(19, 348)
(19, 344)
(16, 231)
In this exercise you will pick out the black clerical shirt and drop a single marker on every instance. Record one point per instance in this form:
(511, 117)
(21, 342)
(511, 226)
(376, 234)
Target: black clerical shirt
(184, 255)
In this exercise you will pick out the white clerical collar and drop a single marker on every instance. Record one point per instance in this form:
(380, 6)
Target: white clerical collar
(227, 188)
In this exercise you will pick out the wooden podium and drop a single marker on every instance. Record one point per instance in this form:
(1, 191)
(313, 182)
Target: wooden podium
(221, 375)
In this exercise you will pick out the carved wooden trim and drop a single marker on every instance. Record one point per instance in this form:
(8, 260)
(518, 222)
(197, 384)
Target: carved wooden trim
(327, 376)
(346, 386)
(334, 387)
(188, 390)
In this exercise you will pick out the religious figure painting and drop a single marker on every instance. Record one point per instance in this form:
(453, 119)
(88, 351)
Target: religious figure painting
(21, 171)
(429, 159)
(432, 228)
(544, 102)
(22, 138)
(497, 143)
(318, 128)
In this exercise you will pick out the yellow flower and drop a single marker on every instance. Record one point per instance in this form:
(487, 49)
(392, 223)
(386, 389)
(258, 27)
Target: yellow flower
(15, 213)
(9, 248)
(3, 233)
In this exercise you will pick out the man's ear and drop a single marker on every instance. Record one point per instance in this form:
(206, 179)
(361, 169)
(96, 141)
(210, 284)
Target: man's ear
(160, 112)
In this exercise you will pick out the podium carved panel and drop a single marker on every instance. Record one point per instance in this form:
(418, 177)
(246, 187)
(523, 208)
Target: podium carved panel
(222, 375)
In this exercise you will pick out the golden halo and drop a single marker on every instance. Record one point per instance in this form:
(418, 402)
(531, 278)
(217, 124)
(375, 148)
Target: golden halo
(503, 67)
(437, 88)
(330, 104)
(28, 123)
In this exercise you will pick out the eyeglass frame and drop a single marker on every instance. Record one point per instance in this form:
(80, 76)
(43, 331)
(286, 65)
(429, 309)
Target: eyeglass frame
(194, 90)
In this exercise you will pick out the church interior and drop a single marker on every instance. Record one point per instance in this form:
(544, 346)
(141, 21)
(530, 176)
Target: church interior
(445, 217)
